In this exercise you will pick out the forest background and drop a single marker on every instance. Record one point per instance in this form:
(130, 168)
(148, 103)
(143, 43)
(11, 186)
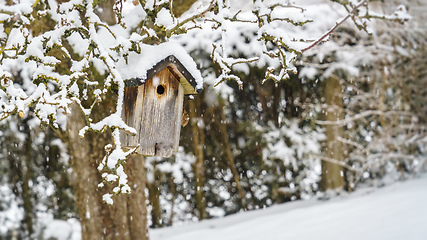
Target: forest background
(346, 113)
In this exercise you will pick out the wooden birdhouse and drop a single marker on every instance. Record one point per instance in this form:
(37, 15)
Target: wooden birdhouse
(156, 82)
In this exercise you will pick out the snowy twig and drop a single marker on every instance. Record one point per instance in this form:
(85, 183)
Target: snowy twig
(350, 14)
(170, 32)
(359, 116)
(338, 162)
(352, 143)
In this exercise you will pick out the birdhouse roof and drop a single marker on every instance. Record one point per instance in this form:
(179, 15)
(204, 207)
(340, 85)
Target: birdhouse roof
(139, 67)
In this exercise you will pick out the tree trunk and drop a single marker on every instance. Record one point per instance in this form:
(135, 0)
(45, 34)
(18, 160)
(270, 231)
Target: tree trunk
(136, 206)
(26, 192)
(154, 197)
(126, 218)
(199, 169)
(222, 128)
(181, 6)
(333, 173)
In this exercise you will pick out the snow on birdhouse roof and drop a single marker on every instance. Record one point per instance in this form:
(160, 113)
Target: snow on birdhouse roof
(155, 58)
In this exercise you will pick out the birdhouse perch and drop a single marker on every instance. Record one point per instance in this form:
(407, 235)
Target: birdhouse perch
(156, 82)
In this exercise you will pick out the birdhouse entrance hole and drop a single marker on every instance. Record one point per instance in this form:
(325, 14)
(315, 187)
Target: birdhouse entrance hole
(160, 89)
(154, 96)
(155, 110)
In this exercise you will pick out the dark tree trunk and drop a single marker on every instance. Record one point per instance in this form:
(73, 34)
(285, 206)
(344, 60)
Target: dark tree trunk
(199, 168)
(126, 218)
(154, 197)
(332, 173)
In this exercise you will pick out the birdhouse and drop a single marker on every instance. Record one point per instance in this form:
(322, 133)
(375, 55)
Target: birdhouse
(156, 81)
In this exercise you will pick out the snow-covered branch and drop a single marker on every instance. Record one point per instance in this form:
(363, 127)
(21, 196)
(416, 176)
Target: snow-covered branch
(74, 57)
(362, 115)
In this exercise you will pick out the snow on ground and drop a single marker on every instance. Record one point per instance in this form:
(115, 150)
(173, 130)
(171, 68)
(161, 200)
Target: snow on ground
(397, 211)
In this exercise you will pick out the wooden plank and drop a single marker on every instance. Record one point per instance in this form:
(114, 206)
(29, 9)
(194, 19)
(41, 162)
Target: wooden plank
(155, 114)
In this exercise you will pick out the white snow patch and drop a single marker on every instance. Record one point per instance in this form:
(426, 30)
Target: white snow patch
(138, 64)
(394, 212)
(164, 18)
(62, 230)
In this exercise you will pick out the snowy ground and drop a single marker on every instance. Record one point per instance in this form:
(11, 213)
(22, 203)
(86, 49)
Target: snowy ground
(395, 212)
(398, 211)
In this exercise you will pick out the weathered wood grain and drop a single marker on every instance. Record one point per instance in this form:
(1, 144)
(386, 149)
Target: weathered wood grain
(154, 109)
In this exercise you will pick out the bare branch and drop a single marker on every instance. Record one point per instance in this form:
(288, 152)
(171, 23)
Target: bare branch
(338, 162)
(359, 116)
(350, 14)
(189, 19)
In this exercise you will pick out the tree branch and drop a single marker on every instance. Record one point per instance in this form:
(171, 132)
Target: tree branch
(338, 162)
(189, 19)
(359, 116)
(334, 28)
